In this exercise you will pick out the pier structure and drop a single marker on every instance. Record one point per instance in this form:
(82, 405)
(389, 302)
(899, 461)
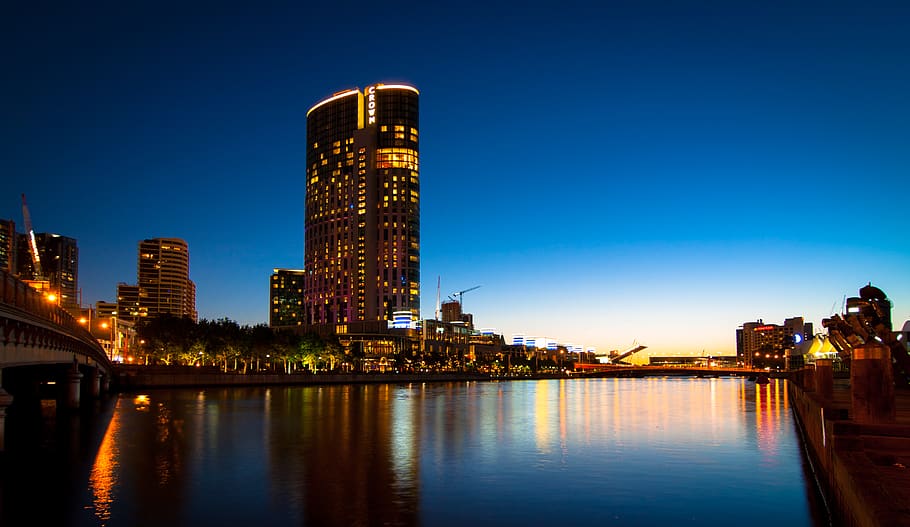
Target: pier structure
(856, 428)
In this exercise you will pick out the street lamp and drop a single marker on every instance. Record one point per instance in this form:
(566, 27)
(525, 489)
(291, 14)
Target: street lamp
(113, 337)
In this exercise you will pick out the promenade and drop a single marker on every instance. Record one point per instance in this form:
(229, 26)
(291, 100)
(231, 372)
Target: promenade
(862, 462)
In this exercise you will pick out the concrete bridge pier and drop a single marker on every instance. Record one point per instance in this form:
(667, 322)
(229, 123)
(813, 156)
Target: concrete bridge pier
(73, 387)
(95, 383)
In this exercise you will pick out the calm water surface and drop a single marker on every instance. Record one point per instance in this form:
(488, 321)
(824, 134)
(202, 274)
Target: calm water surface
(659, 451)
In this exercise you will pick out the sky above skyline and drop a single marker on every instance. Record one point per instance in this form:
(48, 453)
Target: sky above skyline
(658, 172)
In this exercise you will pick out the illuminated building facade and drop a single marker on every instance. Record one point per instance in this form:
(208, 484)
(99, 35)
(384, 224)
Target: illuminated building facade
(58, 257)
(451, 312)
(761, 345)
(8, 246)
(286, 298)
(128, 302)
(164, 286)
(362, 219)
(60, 266)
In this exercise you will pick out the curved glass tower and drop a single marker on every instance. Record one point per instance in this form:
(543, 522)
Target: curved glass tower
(362, 220)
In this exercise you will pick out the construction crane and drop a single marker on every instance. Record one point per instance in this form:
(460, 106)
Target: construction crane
(461, 295)
(32, 244)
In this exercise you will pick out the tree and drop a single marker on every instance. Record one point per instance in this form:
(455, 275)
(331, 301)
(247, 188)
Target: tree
(167, 337)
(333, 352)
(261, 344)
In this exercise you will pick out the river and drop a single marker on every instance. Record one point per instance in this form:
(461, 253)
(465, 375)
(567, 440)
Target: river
(625, 452)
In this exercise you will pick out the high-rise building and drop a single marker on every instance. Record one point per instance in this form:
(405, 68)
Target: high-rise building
(57, 271)
(362, 220)
(128, 307)
(25, 267)
(286, 298)
(163, 274)
(8, 246)
(59, 257)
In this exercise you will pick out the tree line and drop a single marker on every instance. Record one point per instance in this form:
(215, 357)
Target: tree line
(228, 346)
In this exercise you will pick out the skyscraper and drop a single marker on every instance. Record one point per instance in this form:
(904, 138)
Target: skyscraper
(164, 284)
(362, 220)
(286, 298)
(60, 266)
(8, 246)
(57, 268)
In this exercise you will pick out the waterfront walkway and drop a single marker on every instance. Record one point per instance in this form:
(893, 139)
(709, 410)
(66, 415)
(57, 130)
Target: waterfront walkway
(863, 467)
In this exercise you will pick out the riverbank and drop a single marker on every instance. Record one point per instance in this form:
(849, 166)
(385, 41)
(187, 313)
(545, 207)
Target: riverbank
(139, 377)
(862, 468)
(127, 378)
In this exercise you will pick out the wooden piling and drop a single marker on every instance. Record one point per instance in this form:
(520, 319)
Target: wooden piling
(824, 379)
(872, 384)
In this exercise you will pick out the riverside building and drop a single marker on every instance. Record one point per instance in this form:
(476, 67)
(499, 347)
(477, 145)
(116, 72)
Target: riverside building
(164, 286)
(286, 298)
(362, 218)
(761, 345)
(8, 246)
(57, 270)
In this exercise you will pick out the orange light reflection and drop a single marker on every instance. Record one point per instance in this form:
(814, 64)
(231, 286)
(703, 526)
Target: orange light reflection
(104, 476)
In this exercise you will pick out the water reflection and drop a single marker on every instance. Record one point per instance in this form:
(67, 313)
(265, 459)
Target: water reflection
(581, 452)
(105, 470)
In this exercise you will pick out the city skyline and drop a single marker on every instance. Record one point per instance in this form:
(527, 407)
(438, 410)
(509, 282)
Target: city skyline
(633, 171)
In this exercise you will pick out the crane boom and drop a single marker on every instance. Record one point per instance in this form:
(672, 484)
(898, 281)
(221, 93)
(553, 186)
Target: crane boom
(32, 243)
(461, 295)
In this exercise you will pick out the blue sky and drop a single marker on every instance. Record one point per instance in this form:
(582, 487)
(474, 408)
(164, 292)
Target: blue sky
(650, 171)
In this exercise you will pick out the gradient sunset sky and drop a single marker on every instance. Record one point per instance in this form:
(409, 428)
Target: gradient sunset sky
(638, 170)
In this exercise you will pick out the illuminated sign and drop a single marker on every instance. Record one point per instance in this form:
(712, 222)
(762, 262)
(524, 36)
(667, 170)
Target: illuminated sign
(765, 328)
(371, 105)
(402, 320)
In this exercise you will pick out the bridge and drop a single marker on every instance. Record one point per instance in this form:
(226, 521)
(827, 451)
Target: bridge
(43, 345)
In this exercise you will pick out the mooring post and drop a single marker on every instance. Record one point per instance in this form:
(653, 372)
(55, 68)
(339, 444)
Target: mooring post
(872, 384)
(824, 379)
(808, 379)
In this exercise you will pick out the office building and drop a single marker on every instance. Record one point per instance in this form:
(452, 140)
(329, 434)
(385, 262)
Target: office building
(57, 269)
(59, 257)
(128, 307)
(362, 218)
(761, 345)
(8, 246)
(286, 298)
(164, 286)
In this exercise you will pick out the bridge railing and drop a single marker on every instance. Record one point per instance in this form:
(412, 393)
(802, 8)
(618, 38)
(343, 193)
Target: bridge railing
(16, 293)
